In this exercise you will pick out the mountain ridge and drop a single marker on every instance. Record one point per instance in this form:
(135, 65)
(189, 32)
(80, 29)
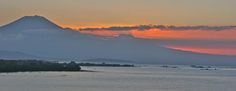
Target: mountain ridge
(65, 43)
(30, 23)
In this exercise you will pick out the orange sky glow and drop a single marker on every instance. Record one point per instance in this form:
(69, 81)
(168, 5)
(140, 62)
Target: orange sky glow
(170, 34)
(224, 35)
(207, 50)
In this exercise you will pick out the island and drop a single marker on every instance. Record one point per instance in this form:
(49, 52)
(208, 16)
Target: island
(203, 67)
(36, 65)
(41, 65)
(106, 65)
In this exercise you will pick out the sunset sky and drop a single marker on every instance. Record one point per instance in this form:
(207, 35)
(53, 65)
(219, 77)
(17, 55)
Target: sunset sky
(98, 13)
(106, 13)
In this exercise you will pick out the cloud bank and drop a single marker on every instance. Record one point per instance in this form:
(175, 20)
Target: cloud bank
(167, 32)
(201, 39)
(161, 27)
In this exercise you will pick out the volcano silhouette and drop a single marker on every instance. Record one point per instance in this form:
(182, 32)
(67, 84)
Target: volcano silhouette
(29, 23)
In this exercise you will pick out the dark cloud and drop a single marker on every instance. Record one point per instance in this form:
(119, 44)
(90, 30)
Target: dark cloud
(162, 27)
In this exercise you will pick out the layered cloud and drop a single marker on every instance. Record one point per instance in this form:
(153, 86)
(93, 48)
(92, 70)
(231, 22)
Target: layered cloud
(168, 32)
(203, 39)
(223, 50)
(162, 27)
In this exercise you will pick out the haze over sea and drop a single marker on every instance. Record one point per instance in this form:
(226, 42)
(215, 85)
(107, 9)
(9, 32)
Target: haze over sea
(149, 78)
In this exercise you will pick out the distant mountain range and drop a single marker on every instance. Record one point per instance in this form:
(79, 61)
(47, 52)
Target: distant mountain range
(16, 55)
(44, 39)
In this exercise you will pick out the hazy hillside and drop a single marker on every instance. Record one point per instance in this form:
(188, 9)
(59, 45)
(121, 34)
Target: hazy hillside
(16, 55)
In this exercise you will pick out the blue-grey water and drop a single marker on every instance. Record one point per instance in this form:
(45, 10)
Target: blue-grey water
(123, 79)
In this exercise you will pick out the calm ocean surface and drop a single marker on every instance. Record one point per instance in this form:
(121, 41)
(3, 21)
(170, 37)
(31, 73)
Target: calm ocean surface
(182, 78)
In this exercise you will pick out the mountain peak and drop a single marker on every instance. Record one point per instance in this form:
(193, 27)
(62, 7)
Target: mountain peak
(34, 17)
(31, 22)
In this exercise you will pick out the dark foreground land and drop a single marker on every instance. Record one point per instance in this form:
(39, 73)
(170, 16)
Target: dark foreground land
(39, 65)
(106, 65)
(36, 65)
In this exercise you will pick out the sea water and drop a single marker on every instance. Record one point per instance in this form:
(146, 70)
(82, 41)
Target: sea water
(123, 79)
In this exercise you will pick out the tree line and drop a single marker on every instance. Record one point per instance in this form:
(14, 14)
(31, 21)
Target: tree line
(36, 65)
